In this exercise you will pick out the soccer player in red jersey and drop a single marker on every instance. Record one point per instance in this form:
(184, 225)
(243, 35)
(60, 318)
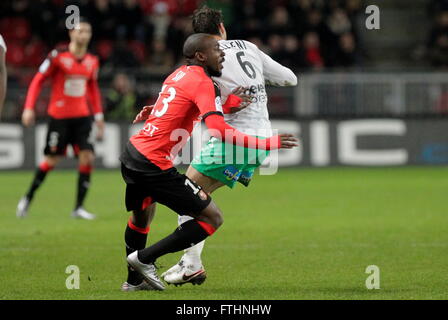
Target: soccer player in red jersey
(74, 79)
(147, 168)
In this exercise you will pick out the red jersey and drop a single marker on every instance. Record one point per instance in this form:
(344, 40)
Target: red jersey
(188, 93)
(73, 80)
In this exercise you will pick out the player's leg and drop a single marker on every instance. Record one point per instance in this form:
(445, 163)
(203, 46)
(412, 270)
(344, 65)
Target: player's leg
(80, 134)
(190, 232)
(190, 268)
(56, 143)
(135, 237)
(183, 196)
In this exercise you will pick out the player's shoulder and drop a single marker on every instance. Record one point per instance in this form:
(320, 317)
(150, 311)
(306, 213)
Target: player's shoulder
(237, 44)
(57, 52)
(92, 56)
(189, 77)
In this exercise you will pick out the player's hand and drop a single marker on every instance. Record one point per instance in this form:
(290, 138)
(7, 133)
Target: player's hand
(288, 141)
(246, 99)
(28, 117)
(144, 114)
(100, 129)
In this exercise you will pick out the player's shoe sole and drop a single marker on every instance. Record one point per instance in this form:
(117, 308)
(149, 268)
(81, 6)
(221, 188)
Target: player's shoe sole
(148, 271)
(195, 279)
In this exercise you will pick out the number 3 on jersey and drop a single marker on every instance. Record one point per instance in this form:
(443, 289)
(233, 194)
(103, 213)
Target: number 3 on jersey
(160, 112)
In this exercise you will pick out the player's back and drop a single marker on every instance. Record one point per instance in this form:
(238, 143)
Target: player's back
(245, 65)
(171, 121)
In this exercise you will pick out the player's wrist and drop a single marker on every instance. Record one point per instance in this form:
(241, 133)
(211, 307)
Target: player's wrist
(99, 116)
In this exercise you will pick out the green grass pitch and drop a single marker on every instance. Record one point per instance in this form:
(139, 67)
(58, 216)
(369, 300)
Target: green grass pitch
(300, 234)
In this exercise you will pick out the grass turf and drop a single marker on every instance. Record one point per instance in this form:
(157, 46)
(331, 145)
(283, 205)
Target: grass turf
(300, 234)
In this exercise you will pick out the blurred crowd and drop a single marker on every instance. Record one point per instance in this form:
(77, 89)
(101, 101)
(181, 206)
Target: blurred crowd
(302, 34)
(148, 35)
(437, 46)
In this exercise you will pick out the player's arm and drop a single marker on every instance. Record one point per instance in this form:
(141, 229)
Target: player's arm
(3, 75)
(46, 69)
(237, 100)
(276, 74)
(209, 103)
(97, 106)
(220, 129)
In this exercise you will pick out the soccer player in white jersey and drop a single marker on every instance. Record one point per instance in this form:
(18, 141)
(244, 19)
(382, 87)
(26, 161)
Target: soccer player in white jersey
(248, 67)
(2, 73)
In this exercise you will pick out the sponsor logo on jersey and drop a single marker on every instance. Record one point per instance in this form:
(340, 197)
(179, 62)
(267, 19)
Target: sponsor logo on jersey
(231, 173)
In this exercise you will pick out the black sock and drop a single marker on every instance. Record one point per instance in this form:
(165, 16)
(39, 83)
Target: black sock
(83, 186)
(39, 177)
(134, 241)
(185, 236)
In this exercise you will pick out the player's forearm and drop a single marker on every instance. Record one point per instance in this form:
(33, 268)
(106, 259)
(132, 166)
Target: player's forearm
(283, 78)
(231, 102)
(34, 91)
(221, 130)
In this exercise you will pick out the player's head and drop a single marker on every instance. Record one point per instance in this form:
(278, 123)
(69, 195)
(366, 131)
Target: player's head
(203, 49)
(207, 20)
(81, 33)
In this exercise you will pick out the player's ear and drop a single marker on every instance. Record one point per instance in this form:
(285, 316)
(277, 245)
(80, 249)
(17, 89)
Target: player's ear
(200, 56)
(222, 31)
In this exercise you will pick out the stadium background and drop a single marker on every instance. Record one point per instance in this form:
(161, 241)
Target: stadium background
(365, 98)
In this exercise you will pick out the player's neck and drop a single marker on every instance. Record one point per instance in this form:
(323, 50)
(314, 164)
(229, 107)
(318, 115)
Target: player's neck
(217, 37)
(76, 50)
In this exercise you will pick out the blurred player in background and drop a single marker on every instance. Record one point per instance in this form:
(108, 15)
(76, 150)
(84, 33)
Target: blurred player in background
(74, 74)
(147, 167)
(3, 75)
(245, 66)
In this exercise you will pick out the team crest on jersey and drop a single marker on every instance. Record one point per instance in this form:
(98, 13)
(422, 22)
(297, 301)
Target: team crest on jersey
(67, 62)
(89, 63)
(218, 104)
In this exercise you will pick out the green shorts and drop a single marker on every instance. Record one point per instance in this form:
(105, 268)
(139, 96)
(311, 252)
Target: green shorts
(228, 163)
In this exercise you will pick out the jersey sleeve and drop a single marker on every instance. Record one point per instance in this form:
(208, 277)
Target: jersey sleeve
(276, 74)
(208, 98)
(46, 70)
(94, 93)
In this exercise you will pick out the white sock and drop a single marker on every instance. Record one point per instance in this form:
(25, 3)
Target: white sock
(192, 255)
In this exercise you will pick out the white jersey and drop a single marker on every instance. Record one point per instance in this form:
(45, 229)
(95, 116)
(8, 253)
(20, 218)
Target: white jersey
(247, 66)
(2, 43)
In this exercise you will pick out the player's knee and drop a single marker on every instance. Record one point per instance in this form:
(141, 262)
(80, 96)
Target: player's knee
(52, 161)
(86, 158)
(217, 218)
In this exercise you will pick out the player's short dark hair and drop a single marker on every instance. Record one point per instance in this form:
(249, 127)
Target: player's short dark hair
(84, 20)
(207, 20)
